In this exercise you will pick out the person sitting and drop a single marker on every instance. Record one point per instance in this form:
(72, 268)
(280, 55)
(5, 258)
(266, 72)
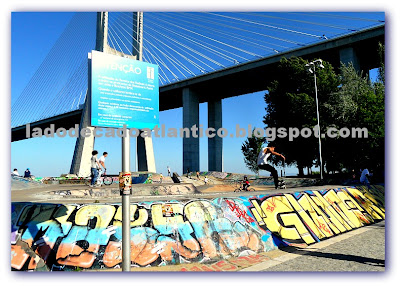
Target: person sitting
(15, 172)
(364, 178)
(27, 173)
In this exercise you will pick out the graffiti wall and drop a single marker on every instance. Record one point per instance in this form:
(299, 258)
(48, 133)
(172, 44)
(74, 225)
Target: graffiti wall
(66, 236)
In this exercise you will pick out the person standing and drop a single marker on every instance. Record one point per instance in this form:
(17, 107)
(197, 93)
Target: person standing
(161, 177)
(169, 171)
(94, 168)
(102, 161)
(262, 162)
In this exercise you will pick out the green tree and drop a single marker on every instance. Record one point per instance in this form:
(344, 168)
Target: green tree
(291, 103)
(357, 104)
(250, 149)
(381, 54)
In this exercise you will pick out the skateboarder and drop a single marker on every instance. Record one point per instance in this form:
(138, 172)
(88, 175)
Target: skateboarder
(263, 163)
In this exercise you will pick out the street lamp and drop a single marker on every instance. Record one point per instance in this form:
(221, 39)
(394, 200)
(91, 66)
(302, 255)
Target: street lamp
(312, 69)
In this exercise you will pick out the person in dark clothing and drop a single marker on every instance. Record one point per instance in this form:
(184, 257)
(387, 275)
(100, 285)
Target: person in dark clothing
(262, 162)
(27, 173)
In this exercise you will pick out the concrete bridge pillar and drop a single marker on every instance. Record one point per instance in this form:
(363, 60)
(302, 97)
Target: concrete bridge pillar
(84, 145)
(349, 55)
(215, 162)
(191, 145)
(145, 154)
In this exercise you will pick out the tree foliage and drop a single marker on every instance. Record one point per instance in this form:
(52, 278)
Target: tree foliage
(291, 104)
(250, 149)
(347, 99)
(357, 104)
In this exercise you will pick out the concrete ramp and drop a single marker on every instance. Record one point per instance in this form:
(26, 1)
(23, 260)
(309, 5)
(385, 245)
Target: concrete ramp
(139, 179)
(142, 190)
(20, 183)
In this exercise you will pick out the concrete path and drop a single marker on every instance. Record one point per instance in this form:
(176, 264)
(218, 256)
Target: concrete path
(358, 250)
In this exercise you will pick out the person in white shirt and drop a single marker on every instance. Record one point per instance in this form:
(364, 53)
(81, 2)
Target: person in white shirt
(364, 177)
(94, 168)
(102, 161)
(169, 171)
(15, 172)
(262, 162)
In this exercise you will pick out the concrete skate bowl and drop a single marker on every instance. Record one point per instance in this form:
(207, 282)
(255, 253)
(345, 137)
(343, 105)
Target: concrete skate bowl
(20, 183)
(137, 178)
(140, 190)
(72, 237)
(224, 178)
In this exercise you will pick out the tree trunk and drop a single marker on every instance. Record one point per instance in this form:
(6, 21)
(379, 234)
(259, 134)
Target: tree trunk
(301, 171)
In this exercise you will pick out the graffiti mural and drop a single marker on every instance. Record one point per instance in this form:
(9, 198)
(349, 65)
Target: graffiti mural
(66, 236)
(311, 216)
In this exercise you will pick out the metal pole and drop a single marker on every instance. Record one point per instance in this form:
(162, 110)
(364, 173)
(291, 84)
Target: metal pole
(126, 221)
(126, 229)
(319, 129)
(139, 55)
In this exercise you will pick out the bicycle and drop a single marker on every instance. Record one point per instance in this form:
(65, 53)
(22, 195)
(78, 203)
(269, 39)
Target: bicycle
(208, 182)
(101, 179)
(239, 188)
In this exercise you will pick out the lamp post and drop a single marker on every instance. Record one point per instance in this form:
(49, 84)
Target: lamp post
(312, 69)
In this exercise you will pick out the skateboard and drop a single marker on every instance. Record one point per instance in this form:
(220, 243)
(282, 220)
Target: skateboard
(282, 184)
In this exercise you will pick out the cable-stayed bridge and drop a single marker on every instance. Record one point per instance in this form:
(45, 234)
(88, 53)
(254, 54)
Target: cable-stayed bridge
(202, 57)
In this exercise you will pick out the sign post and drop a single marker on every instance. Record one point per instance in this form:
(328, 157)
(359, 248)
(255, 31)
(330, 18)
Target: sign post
(124, 93)
(125, 187)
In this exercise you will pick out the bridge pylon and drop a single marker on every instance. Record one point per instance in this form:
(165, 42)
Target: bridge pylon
(85, 145)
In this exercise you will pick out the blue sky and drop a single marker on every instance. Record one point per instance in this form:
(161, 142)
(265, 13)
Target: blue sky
(33, 35)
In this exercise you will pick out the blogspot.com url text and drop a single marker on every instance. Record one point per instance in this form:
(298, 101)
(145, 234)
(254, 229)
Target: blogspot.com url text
(269, 133)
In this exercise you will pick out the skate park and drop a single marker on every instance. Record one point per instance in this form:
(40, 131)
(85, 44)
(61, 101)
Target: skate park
(187, 222)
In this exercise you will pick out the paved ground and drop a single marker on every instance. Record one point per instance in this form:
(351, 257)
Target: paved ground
(359, 250)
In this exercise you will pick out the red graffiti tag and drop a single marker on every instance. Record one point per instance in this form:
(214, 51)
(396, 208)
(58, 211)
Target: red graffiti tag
(359, 199)
(271, 205)
(324, 227)
(239, 212)
(363, 218)
(334, 205)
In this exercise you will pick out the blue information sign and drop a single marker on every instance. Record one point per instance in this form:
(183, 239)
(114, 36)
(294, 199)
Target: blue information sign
(124, 91)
